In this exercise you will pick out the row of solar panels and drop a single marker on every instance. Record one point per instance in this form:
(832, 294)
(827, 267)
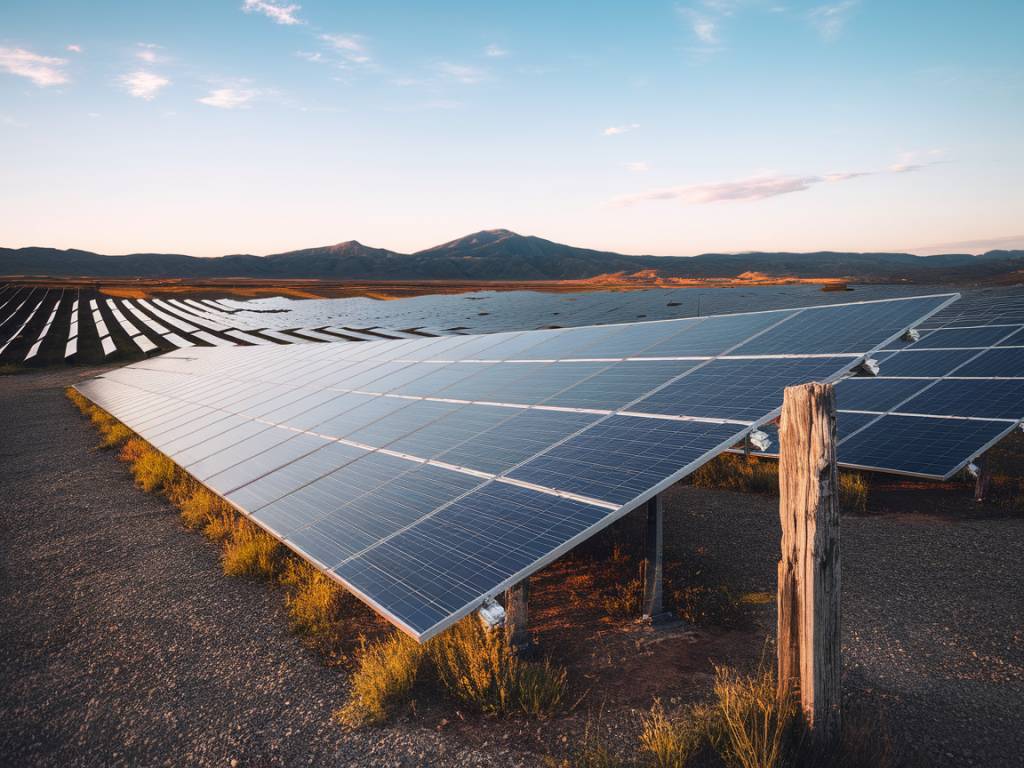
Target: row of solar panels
(428, 475)
(49, 324)
(941, 401)
(491, 311)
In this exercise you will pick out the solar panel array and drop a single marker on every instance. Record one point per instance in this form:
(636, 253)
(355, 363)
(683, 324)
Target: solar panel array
(38, 323)
(428, 475)
(943, 400)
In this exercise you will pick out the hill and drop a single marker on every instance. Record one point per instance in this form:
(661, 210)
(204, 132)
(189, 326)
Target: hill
(499, 254)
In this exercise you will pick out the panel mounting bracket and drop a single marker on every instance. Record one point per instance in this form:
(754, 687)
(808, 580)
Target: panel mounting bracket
(492, 615)
(760, 440)
(870, 367)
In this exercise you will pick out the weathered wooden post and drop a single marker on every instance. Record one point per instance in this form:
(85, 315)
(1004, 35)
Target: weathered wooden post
(517, 627)
(808, 592)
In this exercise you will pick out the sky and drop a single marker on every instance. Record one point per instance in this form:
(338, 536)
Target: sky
(670, 128)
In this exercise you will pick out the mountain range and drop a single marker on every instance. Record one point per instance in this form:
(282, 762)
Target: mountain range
(498, 255)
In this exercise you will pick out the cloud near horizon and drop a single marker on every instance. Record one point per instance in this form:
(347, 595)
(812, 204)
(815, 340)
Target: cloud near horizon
(752, 188)
(144, 85)
(44, 71)
(279, 13)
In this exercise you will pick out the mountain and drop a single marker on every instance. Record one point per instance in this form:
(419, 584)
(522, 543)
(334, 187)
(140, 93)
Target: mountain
(498, 254)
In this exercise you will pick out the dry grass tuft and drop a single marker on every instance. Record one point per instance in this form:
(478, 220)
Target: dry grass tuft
(250, 551)
(625, 599)
(480, 668)
(853, 492)
(754, 723)
(132, 449)
(593, 752)
(739, 473)
(672, 743)
(152, 471)
(320, 608)
(733, 472)
(383, 680)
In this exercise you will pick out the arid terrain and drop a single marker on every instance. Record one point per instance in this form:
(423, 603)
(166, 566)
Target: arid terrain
(123, 643)
(251, 288)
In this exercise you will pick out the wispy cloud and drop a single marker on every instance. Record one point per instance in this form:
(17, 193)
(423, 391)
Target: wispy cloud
(74, 48)
(41, 70)
(279, 13)
(703, 26)
(830, 19)
(147, 52)
(229, 98)
(495, 51)
(759, 187)
(638, 167)
(461, 73)
(144, 85)
(616, 130)
(350, 47)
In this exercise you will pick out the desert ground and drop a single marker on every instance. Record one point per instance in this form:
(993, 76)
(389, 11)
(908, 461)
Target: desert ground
(123, 643)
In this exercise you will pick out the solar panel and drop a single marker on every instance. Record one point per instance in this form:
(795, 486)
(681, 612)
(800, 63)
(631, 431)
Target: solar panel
(951, 394)
(428, 474)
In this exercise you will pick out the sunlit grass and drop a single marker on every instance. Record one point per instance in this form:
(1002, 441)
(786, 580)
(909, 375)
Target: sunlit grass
(382, 681)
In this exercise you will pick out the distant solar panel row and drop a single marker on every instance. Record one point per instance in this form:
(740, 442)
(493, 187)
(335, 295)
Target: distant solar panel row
(429, 474)
(29, 318)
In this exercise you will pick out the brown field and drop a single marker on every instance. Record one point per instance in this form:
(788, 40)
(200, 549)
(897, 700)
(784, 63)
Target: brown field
(252, 288)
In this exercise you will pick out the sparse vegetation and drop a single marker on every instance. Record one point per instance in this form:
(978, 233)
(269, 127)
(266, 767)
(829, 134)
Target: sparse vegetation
(383, 680)
(672, 743)
(479, 668)
(152, 471)
(754, 722)
(250, 551)
(733, 472)
(625, 599)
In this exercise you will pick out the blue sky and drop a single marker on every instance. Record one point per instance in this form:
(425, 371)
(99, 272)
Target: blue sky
(228, 126)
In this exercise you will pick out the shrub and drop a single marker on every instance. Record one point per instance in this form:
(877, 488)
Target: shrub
(383, 680)
(477, 666)
(541, 688)
(480, 668)
(152, 470)
(78, 399)
(249, 551)
(221, 525)
(853, 492)
(199, 507)
(739, 473)
(670, 744)
(754, 722)
(318, 605)
(132, 449)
